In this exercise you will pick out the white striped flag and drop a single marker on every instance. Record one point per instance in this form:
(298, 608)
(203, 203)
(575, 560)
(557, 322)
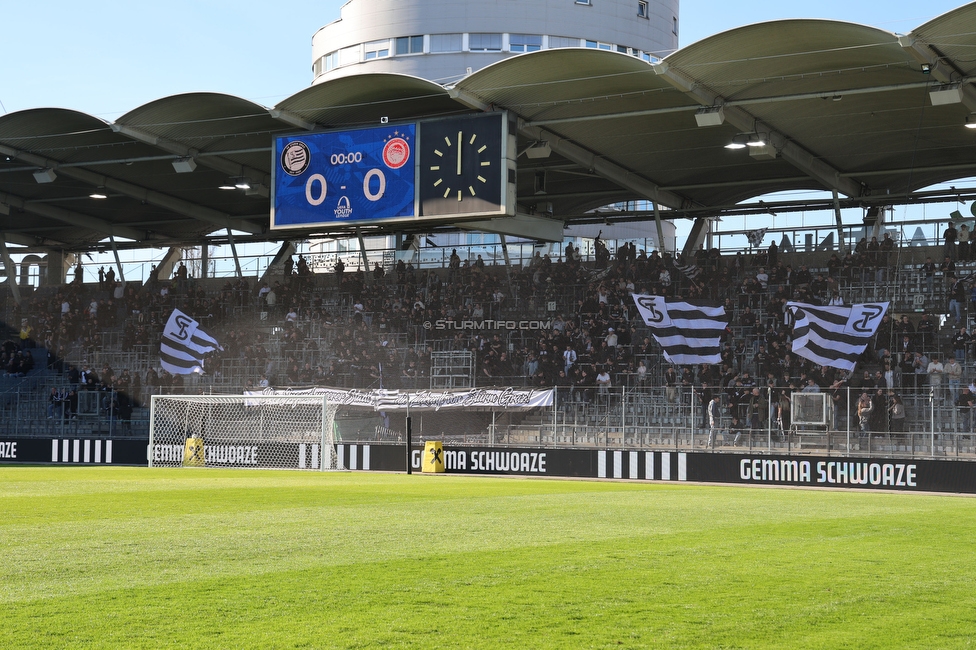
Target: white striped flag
(184, 344)
(834, 336)
(690, 271)
(688, 332)
(756, 236)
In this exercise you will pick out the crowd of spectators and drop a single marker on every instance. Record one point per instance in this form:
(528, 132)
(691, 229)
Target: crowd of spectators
(382, 328)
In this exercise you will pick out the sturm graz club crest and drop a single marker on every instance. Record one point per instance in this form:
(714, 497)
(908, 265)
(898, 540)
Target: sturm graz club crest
(295, 158)
(863, 319)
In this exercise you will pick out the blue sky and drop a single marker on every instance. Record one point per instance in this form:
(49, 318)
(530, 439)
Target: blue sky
(106, 57)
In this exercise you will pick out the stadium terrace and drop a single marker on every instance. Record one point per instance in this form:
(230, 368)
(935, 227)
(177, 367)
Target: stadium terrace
(853, 336)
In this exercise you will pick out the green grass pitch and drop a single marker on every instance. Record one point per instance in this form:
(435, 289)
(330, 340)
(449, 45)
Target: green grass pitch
(140, 558)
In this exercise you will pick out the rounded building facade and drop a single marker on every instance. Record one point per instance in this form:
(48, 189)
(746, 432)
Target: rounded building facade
(444, 40)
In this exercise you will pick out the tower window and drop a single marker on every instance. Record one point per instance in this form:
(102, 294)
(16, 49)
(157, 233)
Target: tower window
(485, 42)
(445, 42)
(330, 60)
(563, 41)
(642, 8)
(378, 49)
(525, 42)
(410, 45)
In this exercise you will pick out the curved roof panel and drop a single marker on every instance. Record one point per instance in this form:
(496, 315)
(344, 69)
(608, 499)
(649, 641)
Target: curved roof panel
(841, 107)
(952, 35)
(364, 99)
(199, 117)
(790, 56)
(571, 83)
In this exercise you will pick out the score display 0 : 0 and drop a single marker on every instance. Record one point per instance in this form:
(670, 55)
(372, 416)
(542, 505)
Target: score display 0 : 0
(320, 179)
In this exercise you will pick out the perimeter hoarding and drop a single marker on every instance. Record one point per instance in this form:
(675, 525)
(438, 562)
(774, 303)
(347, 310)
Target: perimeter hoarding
(833, 472)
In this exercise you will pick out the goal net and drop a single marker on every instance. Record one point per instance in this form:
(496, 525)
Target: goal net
(245, 431)
(810, 409)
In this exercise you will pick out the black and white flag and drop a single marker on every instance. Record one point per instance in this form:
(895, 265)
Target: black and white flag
(690, 271)
(687, 332)
(756, 237)
(184, 344)
(834, 336)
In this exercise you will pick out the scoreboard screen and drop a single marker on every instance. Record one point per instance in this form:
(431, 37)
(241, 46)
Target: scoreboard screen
(345, 177)
(442, 169)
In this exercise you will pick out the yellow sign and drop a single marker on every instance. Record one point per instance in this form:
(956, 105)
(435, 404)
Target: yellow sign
(193, 453)
(433, 457)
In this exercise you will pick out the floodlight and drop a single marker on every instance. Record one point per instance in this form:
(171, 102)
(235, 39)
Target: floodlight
(942, 95)
(764, 152)
(738, 141)
(710, 116)
(538, 150)
(184, 165)
(743, 140)
(45, 176)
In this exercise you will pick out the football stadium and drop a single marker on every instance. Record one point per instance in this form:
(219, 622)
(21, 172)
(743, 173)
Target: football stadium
(553, 334)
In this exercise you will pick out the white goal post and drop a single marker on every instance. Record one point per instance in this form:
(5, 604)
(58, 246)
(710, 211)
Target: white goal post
(243, 431)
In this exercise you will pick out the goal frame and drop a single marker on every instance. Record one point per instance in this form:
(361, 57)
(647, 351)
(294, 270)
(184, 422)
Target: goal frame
(809, 412)
(326, 437)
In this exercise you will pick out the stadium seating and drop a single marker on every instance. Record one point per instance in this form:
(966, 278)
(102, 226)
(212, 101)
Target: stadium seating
(370, 331)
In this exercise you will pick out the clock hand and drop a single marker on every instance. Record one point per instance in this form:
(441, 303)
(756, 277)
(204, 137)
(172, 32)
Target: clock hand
(459, 154)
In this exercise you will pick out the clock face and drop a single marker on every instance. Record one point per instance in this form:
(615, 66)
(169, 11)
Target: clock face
(451, 171)
(461, 166)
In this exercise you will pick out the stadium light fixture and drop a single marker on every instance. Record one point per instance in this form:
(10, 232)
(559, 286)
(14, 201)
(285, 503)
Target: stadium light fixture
(743, 140)
(947, 94)
(538, 150)
(971, 121)
(764, 152)
(184, 165)
(45, 175)
(756, 140)
(242, 184)
(738, 141)
(710, 116)
(98, 194)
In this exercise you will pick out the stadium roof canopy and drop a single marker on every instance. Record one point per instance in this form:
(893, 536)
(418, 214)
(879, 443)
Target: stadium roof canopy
(841, 107)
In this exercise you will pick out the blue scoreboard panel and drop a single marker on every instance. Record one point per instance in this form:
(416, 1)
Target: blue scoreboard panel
(442, 169)
(338, 178)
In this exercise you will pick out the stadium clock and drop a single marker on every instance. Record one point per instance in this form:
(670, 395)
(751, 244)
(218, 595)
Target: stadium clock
(462, 167)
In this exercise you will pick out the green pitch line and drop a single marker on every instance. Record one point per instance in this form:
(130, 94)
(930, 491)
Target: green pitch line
(138, 558)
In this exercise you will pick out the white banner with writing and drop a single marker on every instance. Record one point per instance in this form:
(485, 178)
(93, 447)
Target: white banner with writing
(426, 400)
